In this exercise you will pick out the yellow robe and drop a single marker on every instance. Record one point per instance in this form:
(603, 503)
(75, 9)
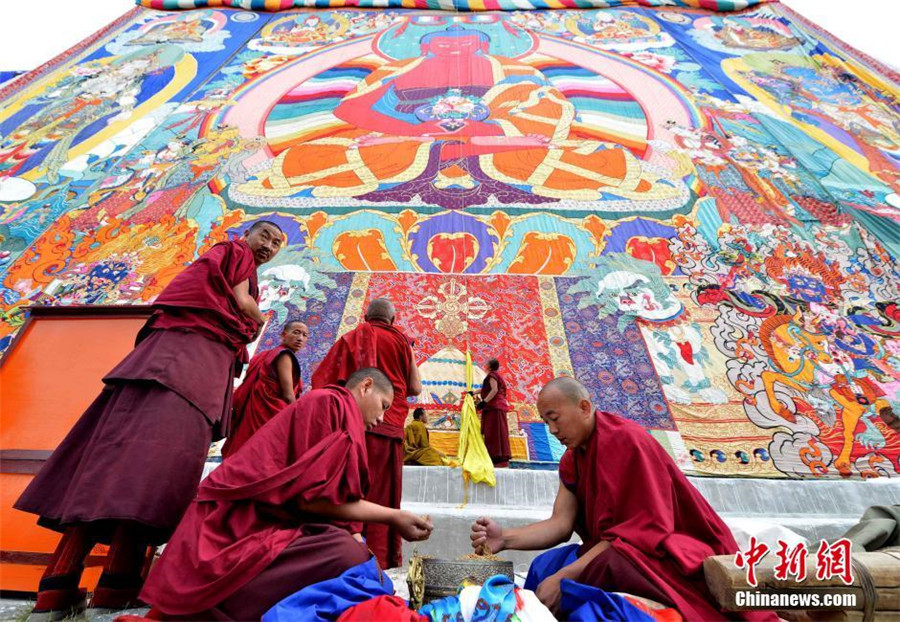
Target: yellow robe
(417, 449)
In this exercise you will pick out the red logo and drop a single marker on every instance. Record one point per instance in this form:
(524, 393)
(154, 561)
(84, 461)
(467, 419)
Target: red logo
(751, 558)
(791, 562)
(832, 560)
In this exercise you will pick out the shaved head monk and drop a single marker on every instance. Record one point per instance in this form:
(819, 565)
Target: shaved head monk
(280, 513)
(378, 343)
(127, 471)
(645, 530)
(272, 383)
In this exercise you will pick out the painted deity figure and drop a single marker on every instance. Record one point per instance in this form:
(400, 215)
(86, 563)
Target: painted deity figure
(740, 176)
(753, 34)
(616, 26)
(807, 354)
(822, 98)
(90, 93)
(635, 290)
(305, 30)
(188, 29)
(457, 117)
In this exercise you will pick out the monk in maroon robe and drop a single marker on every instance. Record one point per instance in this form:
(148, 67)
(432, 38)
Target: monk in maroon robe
(128, 469)
(645, 530)
(272, 383)
(280, 513)
(378, 343)
(494, 424)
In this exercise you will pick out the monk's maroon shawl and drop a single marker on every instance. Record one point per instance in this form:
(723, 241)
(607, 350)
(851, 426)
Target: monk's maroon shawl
(499, 401)
(259, 398)
(373, 344)
(631, 494)
(201, 298)
(246, 512)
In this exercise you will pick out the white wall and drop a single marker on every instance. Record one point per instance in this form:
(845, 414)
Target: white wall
(33, 32)
(868, 25)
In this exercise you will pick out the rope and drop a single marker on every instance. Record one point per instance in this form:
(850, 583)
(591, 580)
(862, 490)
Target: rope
(870, 594)
(415, 579)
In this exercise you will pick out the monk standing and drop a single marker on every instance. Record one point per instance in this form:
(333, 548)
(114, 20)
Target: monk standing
(645, 529)
(280, 513)
(272, 383)
(417, 447)
(127, 471)
(494, 424)
(378, 343)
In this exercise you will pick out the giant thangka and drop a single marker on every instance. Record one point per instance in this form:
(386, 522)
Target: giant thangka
(692, 210)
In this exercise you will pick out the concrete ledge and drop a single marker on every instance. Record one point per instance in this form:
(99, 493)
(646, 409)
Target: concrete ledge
(768, 508)
(741, 496)
(450, 538)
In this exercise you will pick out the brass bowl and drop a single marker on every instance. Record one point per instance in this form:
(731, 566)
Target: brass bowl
(444, 576)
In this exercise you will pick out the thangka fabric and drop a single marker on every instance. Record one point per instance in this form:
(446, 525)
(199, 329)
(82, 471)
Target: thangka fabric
(6, 76)
(693, 210)
(446, 5)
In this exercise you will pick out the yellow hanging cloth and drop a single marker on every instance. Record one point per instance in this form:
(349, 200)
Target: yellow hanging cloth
(473, 455)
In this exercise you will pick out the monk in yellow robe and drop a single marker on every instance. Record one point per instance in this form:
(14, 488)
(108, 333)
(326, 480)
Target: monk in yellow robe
(417, 448)
(489, 117)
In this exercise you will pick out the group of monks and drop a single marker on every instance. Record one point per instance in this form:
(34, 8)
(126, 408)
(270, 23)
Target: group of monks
(310, 483)
(494, 426)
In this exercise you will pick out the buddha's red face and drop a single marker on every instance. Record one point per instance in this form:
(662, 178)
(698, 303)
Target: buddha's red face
(453, 47)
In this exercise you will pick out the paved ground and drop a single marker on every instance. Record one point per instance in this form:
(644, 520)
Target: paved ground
(14, 609)
(18, 610)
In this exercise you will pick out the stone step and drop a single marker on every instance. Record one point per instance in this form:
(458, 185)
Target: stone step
(524, 488)
(767, 508)
(450, 538)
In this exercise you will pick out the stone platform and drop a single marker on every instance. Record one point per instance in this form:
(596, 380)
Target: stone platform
(763, 507)
(766, 508)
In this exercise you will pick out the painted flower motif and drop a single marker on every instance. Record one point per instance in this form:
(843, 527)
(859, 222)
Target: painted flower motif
(605, 377)
(630, 387)
(453, 105)
(659, 62)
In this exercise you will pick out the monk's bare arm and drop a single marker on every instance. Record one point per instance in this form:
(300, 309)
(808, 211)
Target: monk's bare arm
(355, 511)
(410, 526)
(285, 368)
(246, 303)
(414, 382)
(541, 535)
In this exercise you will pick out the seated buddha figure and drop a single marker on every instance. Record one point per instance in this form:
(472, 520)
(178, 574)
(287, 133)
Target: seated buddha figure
(458, 116)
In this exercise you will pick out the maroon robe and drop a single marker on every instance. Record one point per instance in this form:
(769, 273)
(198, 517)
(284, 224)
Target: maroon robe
(494, 424)
(200, 299)
(246, 516)
(259, 398)
(632, 495)
(378, 344)
(159, 409)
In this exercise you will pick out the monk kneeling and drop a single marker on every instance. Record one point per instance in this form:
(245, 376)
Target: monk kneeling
(281, 513)
(417, 447)
(645, 529)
